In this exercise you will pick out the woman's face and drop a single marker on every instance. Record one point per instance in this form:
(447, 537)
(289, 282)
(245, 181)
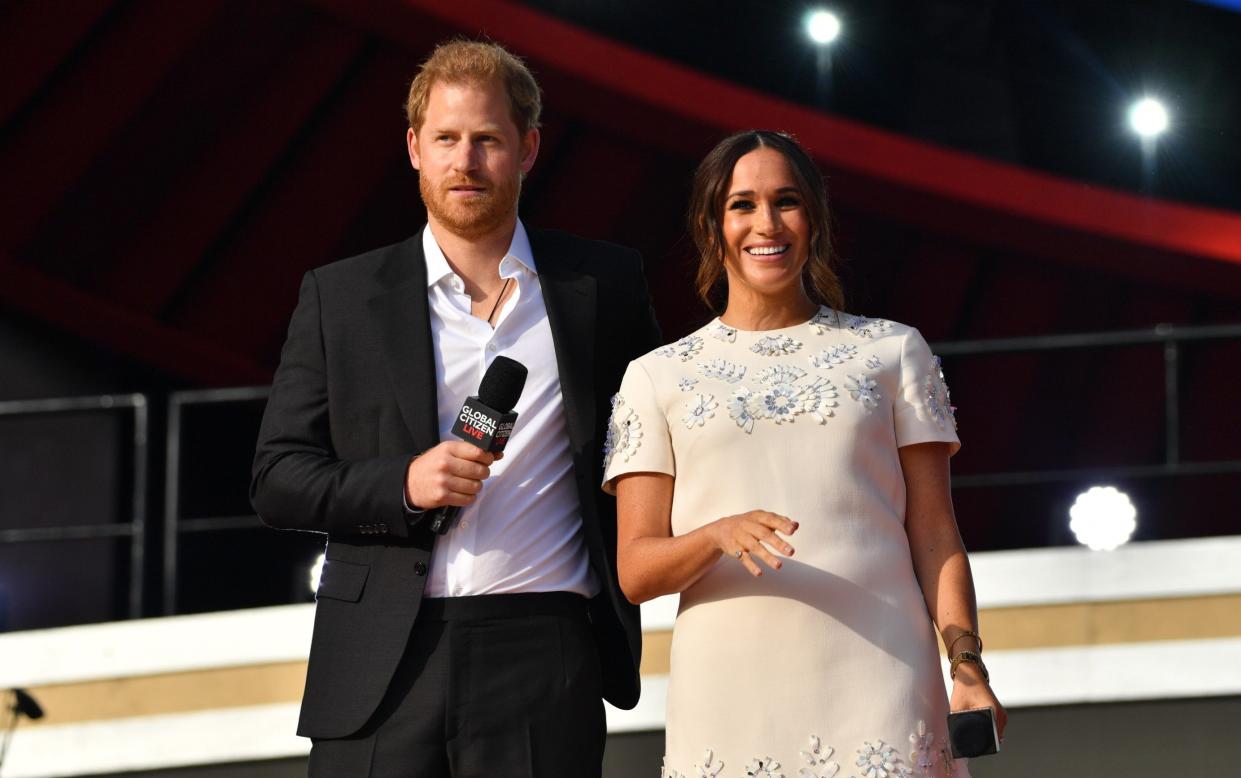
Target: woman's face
(766, 228)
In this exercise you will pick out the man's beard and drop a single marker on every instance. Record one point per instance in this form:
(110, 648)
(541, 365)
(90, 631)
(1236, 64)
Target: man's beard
(472, 217)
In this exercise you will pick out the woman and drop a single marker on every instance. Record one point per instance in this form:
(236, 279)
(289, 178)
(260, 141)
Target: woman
(787, 421)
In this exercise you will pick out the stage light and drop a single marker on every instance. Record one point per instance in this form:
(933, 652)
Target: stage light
(822, 26)
(1103, 518)
(1148, 117)
(316, 572)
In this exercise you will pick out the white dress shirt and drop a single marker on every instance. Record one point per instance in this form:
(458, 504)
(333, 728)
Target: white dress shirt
(524, 532)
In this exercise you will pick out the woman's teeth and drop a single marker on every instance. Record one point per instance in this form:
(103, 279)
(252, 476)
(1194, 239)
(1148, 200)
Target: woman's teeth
(763, 251)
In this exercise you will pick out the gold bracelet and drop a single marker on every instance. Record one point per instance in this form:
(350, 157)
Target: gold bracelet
(972, 657)
(966, 634)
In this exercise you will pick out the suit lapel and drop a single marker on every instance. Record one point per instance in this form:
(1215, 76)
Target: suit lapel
(404, 320)
(570, 298)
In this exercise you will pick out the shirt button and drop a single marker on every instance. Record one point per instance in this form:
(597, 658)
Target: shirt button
(465, 524)
(491, 347)
(420, 568)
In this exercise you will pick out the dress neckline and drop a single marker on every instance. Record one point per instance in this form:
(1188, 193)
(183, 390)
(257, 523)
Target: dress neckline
(824, 313)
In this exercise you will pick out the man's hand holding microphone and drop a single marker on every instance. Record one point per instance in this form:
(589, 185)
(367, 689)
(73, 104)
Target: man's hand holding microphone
(448, 477)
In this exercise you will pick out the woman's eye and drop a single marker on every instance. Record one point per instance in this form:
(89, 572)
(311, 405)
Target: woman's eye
(788, 202)
(741, 205)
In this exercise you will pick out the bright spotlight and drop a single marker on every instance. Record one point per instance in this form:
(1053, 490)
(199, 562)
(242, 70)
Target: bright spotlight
(822, 26)
(1148, 117)
(316, 572)
(1103, 518)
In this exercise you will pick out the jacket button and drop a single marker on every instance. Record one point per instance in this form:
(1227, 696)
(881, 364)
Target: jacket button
(420, 568)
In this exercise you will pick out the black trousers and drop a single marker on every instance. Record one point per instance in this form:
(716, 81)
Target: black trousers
(491, 686)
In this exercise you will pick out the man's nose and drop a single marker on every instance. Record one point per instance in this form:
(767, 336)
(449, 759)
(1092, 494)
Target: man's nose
(465, 157)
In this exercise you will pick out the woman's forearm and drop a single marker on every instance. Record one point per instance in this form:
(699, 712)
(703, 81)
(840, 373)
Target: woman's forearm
(652, 566)
(948, 588)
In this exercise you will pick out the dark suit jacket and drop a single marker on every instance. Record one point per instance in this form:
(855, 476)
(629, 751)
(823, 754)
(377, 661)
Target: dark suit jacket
(354, 399)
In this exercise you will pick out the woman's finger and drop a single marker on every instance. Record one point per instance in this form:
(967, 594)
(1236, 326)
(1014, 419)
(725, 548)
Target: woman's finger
(759, 551)
(749, 564)
(774, 541)
(777, 522)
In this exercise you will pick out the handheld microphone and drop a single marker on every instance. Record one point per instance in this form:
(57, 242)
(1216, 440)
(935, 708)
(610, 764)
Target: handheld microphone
(486, 420)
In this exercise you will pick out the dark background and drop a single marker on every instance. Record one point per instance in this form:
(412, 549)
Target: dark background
(170, 170)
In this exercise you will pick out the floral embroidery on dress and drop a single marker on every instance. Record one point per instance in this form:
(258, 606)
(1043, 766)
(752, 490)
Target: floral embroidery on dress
(948, 760)
(742, 409)
(763, 768)
(702, 408)
(818, 399)
(782, 399)
(723, 332)
(922, 750)
(875, 759)
(684, 349)
(938, 402)
(624, 433)
(780, 402)
(836, 355)
(873, 362)
(821, 321)
(775, 345)
(664, 772)
(817, 758)
(880, 760)
(710, 767)
(780, 374)
(864, 390)
(866, 328)
(722, 370)
(687, 384)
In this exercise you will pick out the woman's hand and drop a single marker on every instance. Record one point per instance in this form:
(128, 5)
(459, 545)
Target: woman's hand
(753, 534)
(971, 690)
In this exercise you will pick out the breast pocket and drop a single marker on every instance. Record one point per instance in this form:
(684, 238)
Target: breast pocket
(342, 580)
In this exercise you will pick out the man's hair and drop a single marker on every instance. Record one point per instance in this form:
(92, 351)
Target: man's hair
(476, 62)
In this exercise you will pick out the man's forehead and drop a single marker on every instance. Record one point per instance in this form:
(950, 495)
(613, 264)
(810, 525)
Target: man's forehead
(448, 99)
(464, 88)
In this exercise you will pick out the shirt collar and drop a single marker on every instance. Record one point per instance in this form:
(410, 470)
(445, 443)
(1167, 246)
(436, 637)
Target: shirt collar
(519, 256)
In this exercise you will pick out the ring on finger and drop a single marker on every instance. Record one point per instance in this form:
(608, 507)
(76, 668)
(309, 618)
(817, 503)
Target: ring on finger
(738, 554)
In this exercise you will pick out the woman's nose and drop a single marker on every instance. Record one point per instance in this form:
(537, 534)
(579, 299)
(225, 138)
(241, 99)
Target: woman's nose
(769, 221)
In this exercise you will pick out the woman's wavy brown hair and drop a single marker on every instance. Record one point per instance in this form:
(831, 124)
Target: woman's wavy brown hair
(706, 213)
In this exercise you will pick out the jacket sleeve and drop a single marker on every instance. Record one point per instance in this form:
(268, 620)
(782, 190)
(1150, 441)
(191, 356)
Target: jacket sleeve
(298, 481)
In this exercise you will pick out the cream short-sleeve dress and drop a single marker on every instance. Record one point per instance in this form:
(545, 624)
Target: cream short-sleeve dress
(829, 666)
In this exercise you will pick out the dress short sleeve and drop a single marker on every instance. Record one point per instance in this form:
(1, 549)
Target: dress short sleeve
(638, 439)
(923, 411)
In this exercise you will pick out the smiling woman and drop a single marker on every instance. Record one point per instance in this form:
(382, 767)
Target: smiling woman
(769, 169)
(787, 419)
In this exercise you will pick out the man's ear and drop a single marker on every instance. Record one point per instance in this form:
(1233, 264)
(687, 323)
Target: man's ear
(411, 140)
(530, 149)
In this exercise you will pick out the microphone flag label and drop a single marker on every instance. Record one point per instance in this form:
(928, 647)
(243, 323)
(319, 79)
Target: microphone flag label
(483, 426)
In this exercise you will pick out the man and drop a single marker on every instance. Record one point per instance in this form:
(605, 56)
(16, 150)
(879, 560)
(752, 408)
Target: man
(483, 651)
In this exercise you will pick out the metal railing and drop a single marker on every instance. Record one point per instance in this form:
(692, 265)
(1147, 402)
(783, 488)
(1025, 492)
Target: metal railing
(136, 528)
(174, 524)
(1167, 337)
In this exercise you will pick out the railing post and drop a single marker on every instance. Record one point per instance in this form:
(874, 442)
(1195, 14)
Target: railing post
(1171, 401)
(138, 538)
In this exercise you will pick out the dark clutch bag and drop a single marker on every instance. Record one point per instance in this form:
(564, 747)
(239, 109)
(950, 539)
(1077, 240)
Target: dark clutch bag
(972, 733)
